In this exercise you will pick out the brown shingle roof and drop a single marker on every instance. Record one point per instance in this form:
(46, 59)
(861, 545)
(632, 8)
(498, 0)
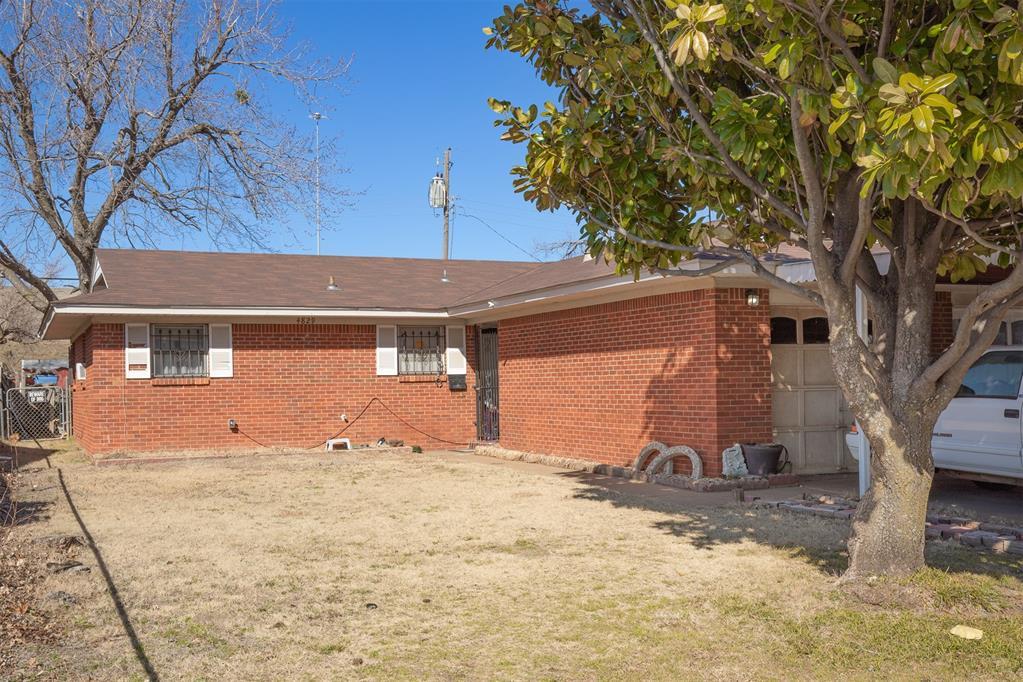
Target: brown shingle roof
(544, 276)
(254, 280)
(192, 279)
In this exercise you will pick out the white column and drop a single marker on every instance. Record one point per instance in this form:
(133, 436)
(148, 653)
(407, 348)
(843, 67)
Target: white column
(864, 444)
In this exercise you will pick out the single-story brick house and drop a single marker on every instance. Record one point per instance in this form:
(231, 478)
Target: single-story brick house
(563, 358)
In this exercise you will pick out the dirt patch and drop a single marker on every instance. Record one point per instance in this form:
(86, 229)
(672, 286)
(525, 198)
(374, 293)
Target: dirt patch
(410, 566)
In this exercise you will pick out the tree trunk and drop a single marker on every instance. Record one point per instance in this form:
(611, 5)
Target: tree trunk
(888, 529)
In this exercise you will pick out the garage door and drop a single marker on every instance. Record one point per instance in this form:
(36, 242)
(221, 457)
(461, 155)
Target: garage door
(810, 415)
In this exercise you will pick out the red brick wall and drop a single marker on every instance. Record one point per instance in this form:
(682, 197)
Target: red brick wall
(291, 385)
(942, 331)
(600, 382)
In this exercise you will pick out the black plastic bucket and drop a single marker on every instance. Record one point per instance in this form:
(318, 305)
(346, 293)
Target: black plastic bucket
(762, 458)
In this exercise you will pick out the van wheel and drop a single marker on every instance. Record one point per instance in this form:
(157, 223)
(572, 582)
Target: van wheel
(991, 485)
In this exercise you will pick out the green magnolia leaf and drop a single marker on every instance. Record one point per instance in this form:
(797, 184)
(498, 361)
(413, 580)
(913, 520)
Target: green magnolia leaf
(923, 118)
(940, 121)
(978, 147)
(910, 82)
(681, 46)
(951, 36)
(838, 122)
(941, 102)
(885, 71)
(714, 13)
(939, 83)
(701, 46)
(772, 54)
(851, 29)
(869, 161)
(892, 94)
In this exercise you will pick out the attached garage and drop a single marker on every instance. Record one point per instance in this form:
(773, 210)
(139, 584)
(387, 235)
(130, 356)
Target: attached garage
(809, 411)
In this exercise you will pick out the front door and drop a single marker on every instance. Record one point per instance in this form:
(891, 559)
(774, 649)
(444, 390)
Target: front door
(487, 417)
(980, 429)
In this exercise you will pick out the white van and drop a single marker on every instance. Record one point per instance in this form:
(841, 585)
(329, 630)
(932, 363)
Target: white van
(980, 434)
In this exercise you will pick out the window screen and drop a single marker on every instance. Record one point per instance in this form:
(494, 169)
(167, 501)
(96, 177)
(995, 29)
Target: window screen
(180, 350)
(996, 375)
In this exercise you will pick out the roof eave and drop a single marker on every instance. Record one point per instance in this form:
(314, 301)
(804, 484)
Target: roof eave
(596, 285)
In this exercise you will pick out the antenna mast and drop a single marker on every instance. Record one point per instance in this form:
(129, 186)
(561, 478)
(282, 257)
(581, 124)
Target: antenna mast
(316, 116)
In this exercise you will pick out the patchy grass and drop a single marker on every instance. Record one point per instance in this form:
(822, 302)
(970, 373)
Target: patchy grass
(967, 590)
(413, 567)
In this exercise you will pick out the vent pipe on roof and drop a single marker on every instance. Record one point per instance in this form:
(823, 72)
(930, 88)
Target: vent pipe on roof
(332, 285)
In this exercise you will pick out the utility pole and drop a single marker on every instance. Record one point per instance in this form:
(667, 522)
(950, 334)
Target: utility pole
(440, 197)
(316, 116)
(447, 199)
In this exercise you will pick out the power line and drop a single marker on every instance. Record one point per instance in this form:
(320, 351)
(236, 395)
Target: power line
(491, 213)
(491, 228)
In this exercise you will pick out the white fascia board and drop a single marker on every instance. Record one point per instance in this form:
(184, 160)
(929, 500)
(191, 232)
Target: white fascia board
(45, 324)
(247, 312)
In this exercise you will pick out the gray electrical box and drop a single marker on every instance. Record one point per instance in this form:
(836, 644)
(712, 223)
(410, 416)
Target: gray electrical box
(456, 382)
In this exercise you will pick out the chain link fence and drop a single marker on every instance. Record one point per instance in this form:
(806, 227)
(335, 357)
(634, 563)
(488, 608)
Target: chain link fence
(7, 508)
(36, 413)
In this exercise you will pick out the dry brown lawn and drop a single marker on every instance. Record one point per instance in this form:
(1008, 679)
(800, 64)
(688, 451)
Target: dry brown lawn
(435, 567)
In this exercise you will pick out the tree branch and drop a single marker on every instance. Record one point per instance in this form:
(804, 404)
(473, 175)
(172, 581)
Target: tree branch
(682, 91)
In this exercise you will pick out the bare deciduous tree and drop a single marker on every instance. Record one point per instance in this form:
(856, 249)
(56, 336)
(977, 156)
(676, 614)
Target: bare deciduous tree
(132, 120)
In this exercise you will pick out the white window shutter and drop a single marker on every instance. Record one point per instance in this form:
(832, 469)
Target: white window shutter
(387, 350)
(221, 352)
(136, 351)
(456, 363)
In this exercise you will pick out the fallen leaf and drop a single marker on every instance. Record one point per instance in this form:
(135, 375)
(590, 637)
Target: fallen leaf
(966, 632)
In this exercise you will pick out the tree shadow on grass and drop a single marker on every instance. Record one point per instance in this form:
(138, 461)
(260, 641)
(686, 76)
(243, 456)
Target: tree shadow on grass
(115, 595)
(22, 455)
(30, 512)
(815, 540)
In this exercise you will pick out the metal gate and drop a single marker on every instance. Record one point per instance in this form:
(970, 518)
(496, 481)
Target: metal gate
(37, 412)
(487, 417)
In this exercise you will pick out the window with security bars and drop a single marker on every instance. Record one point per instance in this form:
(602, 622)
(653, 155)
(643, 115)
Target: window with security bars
(180, 350)
(421, 350)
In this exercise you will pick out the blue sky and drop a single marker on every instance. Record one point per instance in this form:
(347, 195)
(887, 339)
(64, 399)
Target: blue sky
(419, 82)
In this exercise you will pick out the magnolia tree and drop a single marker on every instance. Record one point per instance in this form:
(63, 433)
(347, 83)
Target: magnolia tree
(135, 121)
(839, 127)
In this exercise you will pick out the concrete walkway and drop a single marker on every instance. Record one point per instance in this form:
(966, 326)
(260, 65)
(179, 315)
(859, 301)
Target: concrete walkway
(950, 496)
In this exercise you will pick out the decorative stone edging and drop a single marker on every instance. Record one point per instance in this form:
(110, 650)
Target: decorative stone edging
(703, 485)
(989, 536)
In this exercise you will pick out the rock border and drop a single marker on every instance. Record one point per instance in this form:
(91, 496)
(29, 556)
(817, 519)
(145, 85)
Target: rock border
(702, 485)
(989, 536)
